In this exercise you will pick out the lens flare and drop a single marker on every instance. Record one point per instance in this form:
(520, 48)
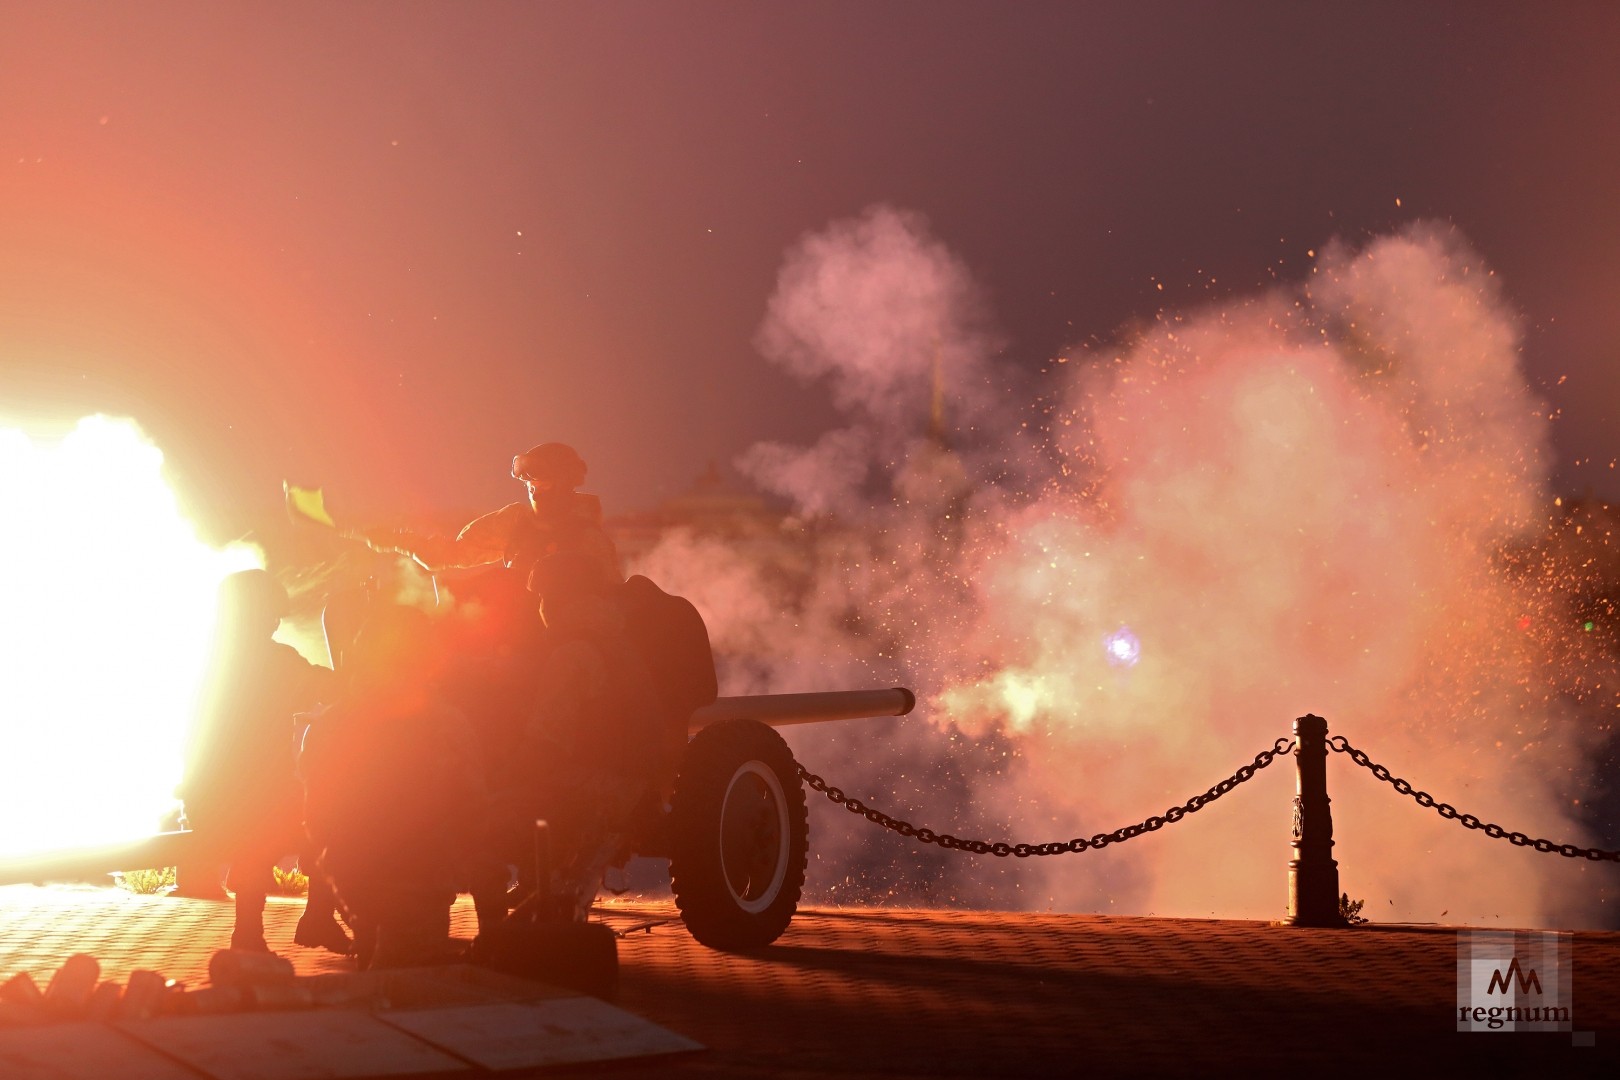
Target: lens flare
(103, 631)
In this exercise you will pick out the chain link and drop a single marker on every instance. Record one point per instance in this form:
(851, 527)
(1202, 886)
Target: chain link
(1468, 821)
(1002, 849)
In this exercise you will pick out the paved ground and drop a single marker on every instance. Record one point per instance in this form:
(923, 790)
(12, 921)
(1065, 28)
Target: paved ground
(943, 993)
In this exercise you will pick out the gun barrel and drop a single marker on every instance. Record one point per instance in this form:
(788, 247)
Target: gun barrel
(780, 710)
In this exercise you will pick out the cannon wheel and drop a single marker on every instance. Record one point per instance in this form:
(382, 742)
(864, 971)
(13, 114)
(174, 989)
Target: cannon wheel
(739, 833)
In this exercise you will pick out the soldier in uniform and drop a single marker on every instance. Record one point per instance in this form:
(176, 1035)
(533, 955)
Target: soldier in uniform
(240, 790)
(495, 681)
(555, 518)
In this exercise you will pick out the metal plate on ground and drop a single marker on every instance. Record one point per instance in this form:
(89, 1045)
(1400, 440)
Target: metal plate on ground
(82, 1051)
(318, 1044)
(418, 988)
(527, 1035)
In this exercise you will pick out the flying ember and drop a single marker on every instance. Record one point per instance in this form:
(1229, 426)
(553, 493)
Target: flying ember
(103, 634)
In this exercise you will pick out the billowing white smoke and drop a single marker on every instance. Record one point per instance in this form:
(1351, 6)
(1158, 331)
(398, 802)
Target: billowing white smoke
(1295, 503)
(884, 313)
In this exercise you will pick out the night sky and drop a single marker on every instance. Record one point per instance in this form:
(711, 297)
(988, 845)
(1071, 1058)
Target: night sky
(381, 247)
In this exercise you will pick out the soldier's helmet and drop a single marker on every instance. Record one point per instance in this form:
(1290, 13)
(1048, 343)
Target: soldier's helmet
(554, 463)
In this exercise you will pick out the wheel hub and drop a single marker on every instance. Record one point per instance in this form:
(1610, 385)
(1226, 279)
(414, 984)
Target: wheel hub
(754, 836)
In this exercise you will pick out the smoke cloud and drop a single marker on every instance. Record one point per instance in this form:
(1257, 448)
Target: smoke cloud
(1308, 500)
(885, 314)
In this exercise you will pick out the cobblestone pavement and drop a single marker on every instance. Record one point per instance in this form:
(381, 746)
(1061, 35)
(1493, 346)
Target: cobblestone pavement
(859, 992)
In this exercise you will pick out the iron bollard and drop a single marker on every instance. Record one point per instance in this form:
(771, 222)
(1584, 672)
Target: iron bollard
(1313, 874)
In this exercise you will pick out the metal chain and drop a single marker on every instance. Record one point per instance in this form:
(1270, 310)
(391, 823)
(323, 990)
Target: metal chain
(1001, 849)
(1468, 821)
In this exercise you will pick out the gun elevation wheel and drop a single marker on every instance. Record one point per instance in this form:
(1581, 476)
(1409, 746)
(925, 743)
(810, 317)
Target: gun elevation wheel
(739, 833)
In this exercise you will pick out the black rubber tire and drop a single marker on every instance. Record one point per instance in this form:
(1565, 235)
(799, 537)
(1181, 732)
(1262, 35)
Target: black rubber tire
(739, 836)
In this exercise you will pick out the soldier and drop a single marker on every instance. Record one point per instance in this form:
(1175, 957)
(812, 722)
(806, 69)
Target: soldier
(240, 790)
(493, 676)
(556, 518)
(394, 792)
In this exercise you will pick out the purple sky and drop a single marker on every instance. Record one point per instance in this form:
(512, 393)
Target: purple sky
(381, 247)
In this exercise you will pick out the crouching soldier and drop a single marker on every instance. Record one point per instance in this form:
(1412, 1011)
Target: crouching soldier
(393, 792)
(239, 789)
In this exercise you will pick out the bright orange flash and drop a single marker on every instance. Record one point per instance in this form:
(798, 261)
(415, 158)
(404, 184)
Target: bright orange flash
(106, 608)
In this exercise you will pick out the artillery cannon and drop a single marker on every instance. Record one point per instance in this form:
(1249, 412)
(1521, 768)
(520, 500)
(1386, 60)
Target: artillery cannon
(733, 823)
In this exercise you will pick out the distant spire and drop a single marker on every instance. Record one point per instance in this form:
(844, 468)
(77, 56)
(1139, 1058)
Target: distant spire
(936, 412)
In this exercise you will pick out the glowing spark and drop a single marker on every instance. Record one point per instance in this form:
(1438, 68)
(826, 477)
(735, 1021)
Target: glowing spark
(106, 619)
(1122, 647)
